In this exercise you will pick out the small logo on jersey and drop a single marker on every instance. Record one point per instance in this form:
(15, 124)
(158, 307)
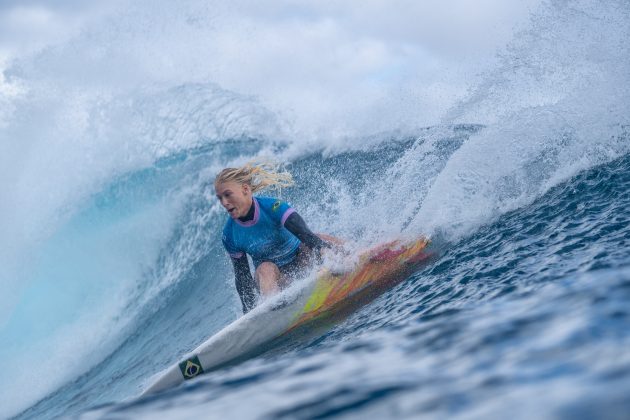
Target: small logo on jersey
(191, 367)
(276, 205)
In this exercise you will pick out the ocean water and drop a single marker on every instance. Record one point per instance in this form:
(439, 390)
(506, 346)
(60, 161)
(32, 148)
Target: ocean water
(111, 265)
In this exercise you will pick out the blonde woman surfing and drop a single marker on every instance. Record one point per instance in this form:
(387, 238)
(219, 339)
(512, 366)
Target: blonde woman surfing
(267, 229)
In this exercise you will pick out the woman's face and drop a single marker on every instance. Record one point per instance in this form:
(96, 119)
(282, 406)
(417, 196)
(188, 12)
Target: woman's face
(235, 197)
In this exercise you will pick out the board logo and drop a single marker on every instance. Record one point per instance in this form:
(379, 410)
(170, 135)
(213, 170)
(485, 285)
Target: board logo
(191, 367)
(276, 205)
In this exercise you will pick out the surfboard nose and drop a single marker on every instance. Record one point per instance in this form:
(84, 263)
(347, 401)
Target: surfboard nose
(170, 378)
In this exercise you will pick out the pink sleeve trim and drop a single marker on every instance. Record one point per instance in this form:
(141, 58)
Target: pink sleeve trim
(286, 215)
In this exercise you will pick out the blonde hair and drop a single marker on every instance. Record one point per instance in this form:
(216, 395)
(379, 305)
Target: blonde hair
(258, 175)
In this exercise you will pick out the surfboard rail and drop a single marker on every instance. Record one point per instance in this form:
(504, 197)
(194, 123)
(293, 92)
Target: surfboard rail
(331, 294)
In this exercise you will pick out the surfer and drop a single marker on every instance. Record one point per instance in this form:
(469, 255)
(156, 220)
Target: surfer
(268, 229)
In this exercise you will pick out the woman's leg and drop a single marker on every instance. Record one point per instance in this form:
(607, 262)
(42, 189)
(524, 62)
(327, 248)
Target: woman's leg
(267, 275)
(296, 268)
(271, 279)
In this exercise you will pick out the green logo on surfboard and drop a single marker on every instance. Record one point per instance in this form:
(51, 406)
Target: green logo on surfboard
(191, 367)
(276, 205)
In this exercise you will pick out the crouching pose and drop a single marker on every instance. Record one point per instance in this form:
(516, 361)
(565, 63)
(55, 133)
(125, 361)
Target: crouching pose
(267, 229)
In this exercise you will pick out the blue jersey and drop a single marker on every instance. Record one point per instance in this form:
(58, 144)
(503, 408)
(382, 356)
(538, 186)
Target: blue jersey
(264, 237)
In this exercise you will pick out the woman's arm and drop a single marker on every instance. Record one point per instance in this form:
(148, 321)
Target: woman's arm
(297, 226)
(245, 284)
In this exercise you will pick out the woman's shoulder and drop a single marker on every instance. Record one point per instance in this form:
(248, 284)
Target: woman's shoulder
(275, 208)
(270, 202)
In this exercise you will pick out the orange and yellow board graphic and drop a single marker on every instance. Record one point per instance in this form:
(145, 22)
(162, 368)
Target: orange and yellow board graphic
(376, 271)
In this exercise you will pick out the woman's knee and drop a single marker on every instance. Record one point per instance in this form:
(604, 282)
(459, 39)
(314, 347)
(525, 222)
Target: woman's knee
(267, 269)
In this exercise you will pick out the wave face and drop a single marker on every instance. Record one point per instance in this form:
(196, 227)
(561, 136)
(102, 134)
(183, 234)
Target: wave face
(109, 250)
(527, 315)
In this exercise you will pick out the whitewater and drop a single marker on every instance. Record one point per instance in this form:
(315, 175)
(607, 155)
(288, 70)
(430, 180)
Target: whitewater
(502, 135)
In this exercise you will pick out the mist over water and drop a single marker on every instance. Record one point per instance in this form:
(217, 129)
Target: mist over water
(111, 134)
(556, 104)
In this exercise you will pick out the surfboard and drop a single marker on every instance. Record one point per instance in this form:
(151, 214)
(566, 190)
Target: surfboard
(330, 295)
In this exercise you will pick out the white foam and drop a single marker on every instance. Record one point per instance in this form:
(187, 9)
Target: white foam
(557, 104)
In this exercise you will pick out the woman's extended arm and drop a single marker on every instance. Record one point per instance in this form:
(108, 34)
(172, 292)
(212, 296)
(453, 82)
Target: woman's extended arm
(297, 226)
(245, 284)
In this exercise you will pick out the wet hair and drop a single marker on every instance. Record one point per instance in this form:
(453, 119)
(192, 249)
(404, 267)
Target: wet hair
(258, 175)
